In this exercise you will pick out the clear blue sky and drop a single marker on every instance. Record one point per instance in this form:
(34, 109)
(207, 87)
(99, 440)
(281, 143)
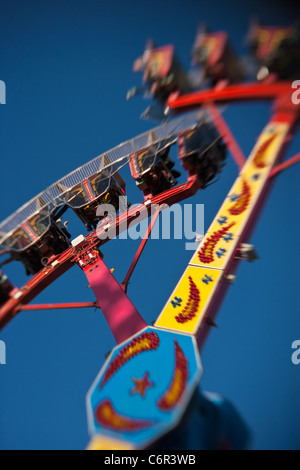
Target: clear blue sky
(67, 67)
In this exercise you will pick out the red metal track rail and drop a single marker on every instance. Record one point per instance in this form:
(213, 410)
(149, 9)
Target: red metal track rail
(141, 247)
(244, 92)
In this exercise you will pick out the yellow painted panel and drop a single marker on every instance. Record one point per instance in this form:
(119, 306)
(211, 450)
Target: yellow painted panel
(219, 242)
(105, 443)
(221, 239)
(266, 149)
(187, 304)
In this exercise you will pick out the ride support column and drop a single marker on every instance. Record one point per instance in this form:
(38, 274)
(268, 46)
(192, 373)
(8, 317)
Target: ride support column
(121, 315)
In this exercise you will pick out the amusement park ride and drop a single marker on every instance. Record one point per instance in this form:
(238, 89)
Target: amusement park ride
(146, 392)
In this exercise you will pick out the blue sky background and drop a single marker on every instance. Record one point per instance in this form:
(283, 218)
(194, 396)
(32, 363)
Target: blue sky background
(67, 67)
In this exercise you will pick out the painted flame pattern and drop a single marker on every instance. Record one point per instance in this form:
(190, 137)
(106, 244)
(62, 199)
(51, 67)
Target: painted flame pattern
(260, 154)
(192, 304)
(243, 201)
(145, 342)
(178, 383)
(206, 253)
(109, 418)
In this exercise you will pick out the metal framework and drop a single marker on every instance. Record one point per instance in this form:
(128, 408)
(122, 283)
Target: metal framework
(184, 323)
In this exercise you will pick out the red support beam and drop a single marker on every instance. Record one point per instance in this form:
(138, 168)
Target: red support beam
(285, 165)
(248, 91)
(66, 260)
(215, 302)
(227, 135)
(57, 306)
(142, 246)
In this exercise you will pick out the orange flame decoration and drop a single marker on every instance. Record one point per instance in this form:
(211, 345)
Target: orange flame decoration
(206, 254)
(260, 154)
(108, 417)
(145, 342)
(243, 200)
(178, 384)
(192, 305)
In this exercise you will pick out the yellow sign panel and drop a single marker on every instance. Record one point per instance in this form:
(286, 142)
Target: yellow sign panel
(266, 150)
(187, 305)
(222, 237)
(219, 242)
(105, 443)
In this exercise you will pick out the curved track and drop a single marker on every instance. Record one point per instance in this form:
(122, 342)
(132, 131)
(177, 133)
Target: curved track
(280, 92)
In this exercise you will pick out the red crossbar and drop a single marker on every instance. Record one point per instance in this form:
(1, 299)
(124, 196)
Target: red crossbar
(227, 135)
(57, 306)
(285, 165)
(142, 246)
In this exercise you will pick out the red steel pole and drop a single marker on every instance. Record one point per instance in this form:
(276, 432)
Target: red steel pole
(121, 315)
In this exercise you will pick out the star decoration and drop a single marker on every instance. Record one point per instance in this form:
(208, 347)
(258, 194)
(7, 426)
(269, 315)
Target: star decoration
(141, 385)
(234, 197)
(222, 220)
